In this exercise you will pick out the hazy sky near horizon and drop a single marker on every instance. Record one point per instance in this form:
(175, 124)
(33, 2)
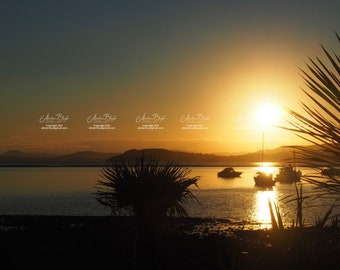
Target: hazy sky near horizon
(202, 66)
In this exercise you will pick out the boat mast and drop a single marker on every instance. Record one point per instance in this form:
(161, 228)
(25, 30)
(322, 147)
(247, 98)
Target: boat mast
(262, 148)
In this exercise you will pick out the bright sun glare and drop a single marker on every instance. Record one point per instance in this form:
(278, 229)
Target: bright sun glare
(266, 168)
(267, 114)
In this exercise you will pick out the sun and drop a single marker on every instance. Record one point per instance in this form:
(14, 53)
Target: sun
(267, 114)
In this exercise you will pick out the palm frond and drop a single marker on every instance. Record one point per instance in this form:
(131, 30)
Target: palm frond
(145, 185)
(321, 127)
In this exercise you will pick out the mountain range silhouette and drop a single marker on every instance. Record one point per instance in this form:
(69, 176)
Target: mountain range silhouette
(91, 158)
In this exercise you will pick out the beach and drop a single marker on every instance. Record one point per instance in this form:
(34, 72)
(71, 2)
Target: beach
(93, 242)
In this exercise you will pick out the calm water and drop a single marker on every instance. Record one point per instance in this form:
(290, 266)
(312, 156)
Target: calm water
(69, 191)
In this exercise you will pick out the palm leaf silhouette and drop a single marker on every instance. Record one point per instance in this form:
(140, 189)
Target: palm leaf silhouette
(321, 127)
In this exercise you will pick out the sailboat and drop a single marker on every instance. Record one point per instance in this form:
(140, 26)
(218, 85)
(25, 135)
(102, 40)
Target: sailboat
(261, 178)
(288, 174)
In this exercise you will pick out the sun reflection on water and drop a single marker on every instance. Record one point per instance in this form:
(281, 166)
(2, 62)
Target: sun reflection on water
(267, 167)
(261, 213)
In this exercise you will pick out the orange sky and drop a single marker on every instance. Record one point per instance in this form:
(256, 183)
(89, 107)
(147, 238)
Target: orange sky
(203, 69)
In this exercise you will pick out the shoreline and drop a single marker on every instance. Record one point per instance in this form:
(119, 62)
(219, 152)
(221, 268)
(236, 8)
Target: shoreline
(191, 225)
(215, 224)
(93, 242)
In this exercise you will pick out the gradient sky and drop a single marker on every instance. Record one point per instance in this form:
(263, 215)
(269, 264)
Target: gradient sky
(220, 59)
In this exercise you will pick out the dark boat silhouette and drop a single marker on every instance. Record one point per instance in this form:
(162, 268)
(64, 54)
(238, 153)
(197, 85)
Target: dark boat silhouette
(228, 172)
(263, 179)
(331, 172)
(288, 174)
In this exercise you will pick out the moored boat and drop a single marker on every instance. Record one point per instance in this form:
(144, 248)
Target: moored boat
(288, 174)
(228, 172)
(263, 179)
(331, 172)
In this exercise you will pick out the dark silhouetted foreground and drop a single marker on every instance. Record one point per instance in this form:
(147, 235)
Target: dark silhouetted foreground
(53, 242)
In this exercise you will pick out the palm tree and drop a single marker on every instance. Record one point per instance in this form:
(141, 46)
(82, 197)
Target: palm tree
(321, 127)
(149, 190)
(146, 189)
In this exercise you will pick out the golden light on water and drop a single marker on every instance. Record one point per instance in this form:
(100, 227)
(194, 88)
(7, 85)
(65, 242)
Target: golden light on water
(266, 167)
(261, 213)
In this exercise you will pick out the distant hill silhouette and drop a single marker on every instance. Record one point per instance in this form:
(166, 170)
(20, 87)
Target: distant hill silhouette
(81, 158)
(280, 155)
(13, 153)
(91, 158)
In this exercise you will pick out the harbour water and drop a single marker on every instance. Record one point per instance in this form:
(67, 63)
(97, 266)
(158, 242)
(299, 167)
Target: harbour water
(70, 191)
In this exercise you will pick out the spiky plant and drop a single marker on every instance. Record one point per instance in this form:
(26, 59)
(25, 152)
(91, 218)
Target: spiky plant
(145, 188)
(321, 126)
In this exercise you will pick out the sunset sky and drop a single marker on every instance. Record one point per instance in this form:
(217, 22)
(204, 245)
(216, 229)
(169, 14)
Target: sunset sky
(182, 75)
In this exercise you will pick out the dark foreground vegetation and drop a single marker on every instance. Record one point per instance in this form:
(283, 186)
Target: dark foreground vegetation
(60, 242)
